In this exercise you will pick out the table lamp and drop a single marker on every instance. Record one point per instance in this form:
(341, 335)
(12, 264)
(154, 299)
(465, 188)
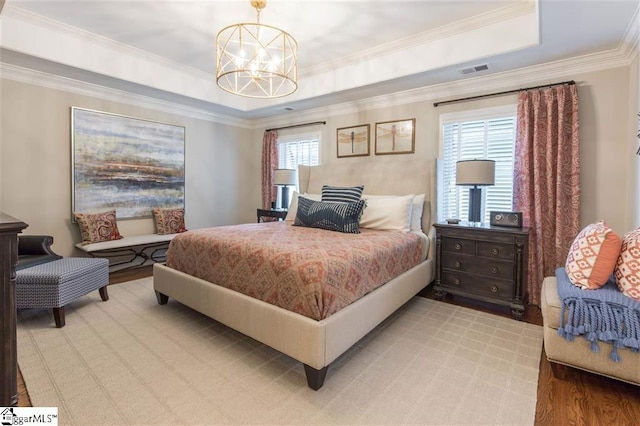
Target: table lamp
(475, 173)
(284, 178)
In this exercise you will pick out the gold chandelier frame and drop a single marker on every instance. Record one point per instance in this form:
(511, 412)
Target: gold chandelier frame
(256, 60)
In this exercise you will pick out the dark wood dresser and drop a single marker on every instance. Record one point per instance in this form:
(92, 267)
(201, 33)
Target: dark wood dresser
(9, 229)
(482, 262)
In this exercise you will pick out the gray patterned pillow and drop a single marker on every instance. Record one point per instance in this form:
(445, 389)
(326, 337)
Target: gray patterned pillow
(337, 194)
(341, 217)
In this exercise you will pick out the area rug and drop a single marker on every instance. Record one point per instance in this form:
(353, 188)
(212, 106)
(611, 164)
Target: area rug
(132, 361)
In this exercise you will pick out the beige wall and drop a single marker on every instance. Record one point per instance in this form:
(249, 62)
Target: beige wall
(35, 174)
(604, 116)
(633, 200)
(223, 162)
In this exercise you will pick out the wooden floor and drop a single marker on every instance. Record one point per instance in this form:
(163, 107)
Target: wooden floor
(580, 398)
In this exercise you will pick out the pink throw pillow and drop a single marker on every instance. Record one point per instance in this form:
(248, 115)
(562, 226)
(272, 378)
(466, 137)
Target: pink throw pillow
(97, 227)
(169, 221)
(593, 255)
(627, 269)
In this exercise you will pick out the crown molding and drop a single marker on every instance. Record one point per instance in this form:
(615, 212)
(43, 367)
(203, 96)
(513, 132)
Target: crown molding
(462, 26)
(507, 80)
(98, 40)
(630, 43)
(619, 57)
(57, 82)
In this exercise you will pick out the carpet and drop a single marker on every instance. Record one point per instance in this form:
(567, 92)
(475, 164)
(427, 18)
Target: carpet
(132, 361)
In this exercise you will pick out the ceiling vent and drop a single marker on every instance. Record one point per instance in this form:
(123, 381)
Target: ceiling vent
(476, 68)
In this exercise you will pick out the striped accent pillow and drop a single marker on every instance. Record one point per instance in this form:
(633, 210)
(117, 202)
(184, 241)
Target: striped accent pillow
(340, 217)
(336, 194)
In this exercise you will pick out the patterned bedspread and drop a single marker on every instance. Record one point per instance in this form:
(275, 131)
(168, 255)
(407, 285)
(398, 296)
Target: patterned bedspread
(309, 271)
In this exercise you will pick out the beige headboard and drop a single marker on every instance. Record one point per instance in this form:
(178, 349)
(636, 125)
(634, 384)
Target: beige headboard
(400, 177)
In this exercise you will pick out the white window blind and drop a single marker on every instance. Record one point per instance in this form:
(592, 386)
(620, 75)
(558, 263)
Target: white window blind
(294, 150)
(301, 149)
(469, 137)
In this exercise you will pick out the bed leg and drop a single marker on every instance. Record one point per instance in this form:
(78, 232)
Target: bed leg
(162, 298)
(315, 378)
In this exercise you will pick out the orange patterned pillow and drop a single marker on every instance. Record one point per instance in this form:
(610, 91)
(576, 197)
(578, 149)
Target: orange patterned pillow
(593, 255)
(627, 270)
(169, 221)
(97, 227)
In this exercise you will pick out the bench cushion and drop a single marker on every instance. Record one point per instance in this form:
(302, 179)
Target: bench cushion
(136, 240)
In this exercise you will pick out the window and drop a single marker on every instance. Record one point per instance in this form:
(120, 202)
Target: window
(297, 149)
(480, 134)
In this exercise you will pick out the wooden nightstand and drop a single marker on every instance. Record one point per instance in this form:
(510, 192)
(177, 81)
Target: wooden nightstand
(482, 262)
(280, 214)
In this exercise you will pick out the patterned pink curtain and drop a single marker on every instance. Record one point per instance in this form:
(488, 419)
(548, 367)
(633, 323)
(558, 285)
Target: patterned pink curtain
(547, 178)
(269, 165)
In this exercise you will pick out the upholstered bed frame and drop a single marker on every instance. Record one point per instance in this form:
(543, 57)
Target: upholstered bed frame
(317, 343)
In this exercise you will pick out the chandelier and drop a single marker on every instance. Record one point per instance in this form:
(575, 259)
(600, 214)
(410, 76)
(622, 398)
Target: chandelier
(256, 60)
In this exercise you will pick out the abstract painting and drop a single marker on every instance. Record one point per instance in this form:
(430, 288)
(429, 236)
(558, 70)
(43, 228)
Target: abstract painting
(124, 163)
(353, 141)
(395, 137)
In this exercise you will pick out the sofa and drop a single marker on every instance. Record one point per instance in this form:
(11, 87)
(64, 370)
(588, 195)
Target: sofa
(578, 353)
(35, 250)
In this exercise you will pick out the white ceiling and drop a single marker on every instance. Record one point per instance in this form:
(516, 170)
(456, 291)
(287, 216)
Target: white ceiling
(347, 49)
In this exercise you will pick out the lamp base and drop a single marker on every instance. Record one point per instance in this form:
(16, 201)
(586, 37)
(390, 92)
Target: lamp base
(285, 197)
(475, 202)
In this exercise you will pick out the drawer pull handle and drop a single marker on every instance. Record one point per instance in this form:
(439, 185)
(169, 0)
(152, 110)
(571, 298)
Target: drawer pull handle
(494, 270)
(456, 281)
(494, 289)
(495, 251)
(458, 264)
(458, 246)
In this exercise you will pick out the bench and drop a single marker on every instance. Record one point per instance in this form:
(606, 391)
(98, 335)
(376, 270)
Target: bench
(54, 284)
(130, 252)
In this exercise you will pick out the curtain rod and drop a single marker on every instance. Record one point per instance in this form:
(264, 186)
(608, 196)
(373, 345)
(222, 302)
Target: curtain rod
(570, 82)
(297, 125)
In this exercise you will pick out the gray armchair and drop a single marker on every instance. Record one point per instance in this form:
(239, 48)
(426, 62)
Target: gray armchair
(35, 250)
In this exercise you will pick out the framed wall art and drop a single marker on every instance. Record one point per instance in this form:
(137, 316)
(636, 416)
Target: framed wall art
(124, 163)
(395, 137)
(353, 141)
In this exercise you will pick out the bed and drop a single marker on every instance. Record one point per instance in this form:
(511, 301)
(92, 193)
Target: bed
(317, 342)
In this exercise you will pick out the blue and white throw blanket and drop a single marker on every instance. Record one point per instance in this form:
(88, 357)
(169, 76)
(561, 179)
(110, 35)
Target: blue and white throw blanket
(604, 315)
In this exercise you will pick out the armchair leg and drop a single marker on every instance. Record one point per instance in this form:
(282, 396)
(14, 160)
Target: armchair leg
(58, 316)
(103, 293)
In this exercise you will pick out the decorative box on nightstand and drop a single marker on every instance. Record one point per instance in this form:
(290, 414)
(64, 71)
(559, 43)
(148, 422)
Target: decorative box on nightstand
(487, 263)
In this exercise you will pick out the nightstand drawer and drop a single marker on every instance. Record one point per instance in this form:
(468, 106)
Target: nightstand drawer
(495, 250)
(482, 262)
(494, 268)
(478, 285)
(459, 245)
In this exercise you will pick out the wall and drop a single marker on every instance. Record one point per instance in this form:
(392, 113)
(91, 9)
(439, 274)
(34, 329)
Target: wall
(633, 206)
(35, 173)
(604, 114)
(223, 162)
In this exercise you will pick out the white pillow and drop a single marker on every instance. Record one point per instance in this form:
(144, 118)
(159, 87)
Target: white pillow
(417, 206)
(293, 206)
(387, 213)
